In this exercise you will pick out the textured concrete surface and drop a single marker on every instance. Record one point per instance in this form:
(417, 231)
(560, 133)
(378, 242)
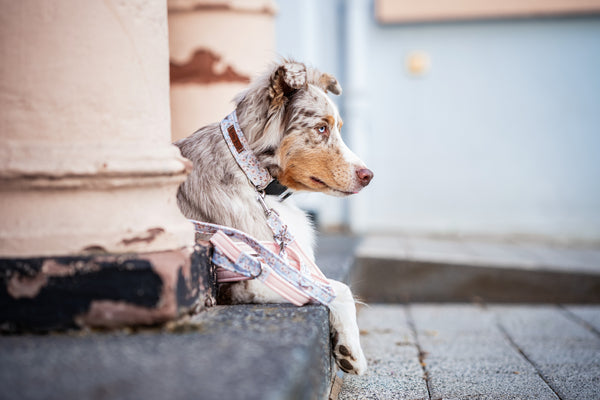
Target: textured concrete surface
(233, 352)
(400, 268)
(393, 357)
(565, 352)
(466, 351)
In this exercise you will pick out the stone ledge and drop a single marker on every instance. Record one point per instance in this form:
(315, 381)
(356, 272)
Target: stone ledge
(400, 268)
(250, 352)
(398, 281)
(103, 291)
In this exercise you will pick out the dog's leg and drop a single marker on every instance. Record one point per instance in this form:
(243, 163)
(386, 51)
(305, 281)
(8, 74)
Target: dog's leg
(344, 331)
(342, 320)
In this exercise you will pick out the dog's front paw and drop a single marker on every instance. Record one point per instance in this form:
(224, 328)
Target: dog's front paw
(348, 354)
(344, 332)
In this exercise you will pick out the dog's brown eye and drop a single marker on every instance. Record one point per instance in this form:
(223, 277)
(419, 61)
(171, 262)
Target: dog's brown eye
(322, 129)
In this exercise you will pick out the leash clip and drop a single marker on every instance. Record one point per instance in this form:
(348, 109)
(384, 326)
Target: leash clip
(260, 196)
(278, 235)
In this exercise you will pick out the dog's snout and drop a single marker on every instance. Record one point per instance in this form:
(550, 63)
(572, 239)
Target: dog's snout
(364, 176)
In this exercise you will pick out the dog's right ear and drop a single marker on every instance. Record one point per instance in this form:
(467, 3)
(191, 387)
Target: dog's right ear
(286, 79)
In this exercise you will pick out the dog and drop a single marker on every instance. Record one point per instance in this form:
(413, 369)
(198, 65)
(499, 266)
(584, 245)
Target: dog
(293, 129)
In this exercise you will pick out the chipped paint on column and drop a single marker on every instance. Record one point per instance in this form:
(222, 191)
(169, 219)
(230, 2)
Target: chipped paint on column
(212, 58)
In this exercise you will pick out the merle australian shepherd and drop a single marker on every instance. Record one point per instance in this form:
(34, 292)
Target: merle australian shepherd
(293, 128)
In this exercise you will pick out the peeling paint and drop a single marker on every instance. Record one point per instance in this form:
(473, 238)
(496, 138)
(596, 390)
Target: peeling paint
(52, 268)
(266, 9)
(116, 314)
(94, 249)
(204, 67)
(26, 286)
(152, 234)
(246, 7)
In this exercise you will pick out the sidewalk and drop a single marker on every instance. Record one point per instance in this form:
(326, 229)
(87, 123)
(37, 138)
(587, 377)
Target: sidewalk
(449, 351)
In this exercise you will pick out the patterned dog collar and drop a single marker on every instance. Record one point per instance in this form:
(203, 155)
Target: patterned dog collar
(238, 145)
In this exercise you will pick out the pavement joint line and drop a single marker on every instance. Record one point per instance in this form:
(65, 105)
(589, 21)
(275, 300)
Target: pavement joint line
(413, 328)
(578, 320)
(514, 344)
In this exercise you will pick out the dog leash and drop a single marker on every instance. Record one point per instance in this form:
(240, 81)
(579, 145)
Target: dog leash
(257, 175)
(296, 278)
(281, 265)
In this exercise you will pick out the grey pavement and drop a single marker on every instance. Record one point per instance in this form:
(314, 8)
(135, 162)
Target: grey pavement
(468, 351)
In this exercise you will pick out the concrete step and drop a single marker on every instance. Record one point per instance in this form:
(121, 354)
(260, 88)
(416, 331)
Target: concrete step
(408, 268)
(468, 351)
(245, 352)
(250, 352)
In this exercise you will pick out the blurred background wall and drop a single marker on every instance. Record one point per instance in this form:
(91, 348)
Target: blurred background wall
(475, 121)
(478, 118)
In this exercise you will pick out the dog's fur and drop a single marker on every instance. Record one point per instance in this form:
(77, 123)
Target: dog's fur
(294, 130)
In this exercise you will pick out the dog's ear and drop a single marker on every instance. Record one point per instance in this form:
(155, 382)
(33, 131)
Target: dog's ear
(328, 82)
(286, 79)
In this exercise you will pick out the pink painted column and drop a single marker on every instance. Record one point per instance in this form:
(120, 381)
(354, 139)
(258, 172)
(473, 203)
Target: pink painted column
(86, 164)
(216, 47)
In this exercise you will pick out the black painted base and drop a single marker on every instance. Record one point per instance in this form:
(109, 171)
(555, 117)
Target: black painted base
(104, 291)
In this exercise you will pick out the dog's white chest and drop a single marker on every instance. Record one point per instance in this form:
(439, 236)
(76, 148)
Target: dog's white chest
(297, 222)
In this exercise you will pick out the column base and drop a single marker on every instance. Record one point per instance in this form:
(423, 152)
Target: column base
(105, 290)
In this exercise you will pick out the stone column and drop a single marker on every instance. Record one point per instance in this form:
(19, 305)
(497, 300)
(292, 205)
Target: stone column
(216, 47)
(85, 158)
(86, 164)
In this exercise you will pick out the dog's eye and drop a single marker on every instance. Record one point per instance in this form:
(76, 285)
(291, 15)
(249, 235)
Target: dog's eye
(322, 129)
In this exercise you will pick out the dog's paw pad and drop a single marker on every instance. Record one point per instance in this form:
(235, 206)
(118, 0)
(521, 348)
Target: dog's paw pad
(346, 365)
(347, 361)
(343, 350)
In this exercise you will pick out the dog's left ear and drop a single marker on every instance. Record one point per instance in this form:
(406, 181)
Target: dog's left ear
(285, 80)
(328, 82)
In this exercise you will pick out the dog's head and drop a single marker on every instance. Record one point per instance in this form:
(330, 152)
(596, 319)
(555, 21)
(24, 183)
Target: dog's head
(298, 138)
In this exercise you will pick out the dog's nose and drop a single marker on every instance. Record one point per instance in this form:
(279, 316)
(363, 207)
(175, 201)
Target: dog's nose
(364, 176)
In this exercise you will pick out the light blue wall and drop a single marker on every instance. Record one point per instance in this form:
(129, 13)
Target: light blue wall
(501, 136)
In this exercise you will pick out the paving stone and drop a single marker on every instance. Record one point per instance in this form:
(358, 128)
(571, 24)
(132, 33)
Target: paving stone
(589, 314)
(234, 352)
(466, 356)
(566, 353)
(394, 369)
